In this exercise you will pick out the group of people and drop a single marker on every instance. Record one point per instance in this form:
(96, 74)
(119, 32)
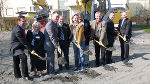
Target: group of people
(57, 35)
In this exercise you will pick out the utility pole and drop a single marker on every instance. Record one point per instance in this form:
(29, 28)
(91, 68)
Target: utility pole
(1, 15)
(58, 4)
(92, 10)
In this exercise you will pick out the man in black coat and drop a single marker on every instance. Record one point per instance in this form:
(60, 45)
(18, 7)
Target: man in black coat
(18, 44)
(63, 36)
(87, 32)
(125, 29)
(110, 36)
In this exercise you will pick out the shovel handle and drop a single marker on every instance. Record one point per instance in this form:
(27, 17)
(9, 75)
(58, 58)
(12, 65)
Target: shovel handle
(122, 37)
(100, 44)
(59, 47)
(77, 45)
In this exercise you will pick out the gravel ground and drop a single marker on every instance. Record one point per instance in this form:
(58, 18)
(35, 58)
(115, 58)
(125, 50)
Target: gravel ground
(135, 72)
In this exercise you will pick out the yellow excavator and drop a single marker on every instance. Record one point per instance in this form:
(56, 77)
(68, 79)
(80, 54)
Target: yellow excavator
(41, 13)
(87, 5)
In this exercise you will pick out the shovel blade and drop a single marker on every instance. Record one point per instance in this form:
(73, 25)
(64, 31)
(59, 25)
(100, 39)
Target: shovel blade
(88, 52)
(111, 49)
(62, 60)
(45, 58)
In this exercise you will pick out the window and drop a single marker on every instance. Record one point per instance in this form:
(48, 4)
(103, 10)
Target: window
(21, 9)
(50, 7)
(9, 11)
(32, 9)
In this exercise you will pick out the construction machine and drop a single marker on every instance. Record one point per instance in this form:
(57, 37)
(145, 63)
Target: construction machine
(89, 8)
(117, 11)
(41, 14)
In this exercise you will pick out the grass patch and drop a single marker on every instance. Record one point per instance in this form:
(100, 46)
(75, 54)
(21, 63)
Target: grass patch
(144, 27)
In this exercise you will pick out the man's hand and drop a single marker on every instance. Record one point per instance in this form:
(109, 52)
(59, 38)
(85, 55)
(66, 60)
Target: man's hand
(100, 43)
(59, 50)
(32, 52)
(124, 38)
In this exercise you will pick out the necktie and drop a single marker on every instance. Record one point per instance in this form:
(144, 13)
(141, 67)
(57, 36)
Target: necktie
(62, 34)
(96, 28)
(24, 33)
(122, 22)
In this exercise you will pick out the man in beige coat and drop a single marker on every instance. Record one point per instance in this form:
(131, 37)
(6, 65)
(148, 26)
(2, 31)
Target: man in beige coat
(98, 32)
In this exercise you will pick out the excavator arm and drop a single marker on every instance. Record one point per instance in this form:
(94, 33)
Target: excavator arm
(41, 3)
(83, 2)
(41, 13)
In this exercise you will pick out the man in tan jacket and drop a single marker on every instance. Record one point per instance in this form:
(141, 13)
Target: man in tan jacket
(98, 32)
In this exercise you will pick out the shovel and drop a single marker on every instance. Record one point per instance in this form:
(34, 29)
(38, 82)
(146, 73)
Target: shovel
(109, 49)
(88, 52)
(132, 43)
(42, 58)
(61, 60)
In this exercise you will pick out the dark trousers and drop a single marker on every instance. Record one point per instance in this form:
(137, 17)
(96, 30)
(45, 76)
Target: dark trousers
(124, 49)
(64, 45)
(24, 67)
(109, 53)
(97, 54)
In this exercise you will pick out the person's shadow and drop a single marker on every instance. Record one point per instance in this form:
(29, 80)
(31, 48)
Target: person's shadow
(134, 56)
(137, 55)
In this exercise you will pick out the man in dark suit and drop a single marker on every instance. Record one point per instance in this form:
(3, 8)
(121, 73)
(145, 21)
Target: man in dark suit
(63, 36)
(125, 29)
(87, 32)
(110, 36)
(18, 44)
(51, 42)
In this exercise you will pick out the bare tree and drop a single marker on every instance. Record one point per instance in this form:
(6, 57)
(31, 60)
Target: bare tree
(3, 7)
(144, 13)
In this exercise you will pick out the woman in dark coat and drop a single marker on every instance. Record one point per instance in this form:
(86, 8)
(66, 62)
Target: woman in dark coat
(36, 39)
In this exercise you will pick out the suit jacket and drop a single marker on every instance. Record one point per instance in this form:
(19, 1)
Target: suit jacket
(66, 31)
(38, 41)
(18, 41)
(126, 28)
(50, 33)
(87, 31)
(110, 31)
(100, 31)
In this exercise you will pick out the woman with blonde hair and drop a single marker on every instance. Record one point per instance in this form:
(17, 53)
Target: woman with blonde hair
(36, 39)
(77, 35)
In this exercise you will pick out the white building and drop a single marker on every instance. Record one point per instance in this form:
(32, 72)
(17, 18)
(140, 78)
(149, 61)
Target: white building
(11, 7)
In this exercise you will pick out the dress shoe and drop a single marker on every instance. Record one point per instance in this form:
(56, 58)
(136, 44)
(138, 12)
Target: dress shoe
(125, 61)
(67, 67)
(28, 78)
(97, 65)
(76, 68)
(83, 70)
(18, 77)
(60, 68)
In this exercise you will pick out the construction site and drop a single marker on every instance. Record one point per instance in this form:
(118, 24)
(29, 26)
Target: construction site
(137, 70)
